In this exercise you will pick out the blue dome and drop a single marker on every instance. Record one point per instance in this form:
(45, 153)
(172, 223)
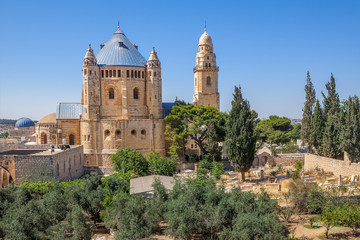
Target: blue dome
(119, 51)
(24, 122)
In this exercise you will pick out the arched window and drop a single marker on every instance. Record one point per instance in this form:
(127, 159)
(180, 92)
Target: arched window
(71, 139)
(208, 81)
(133, 132)
(143, 132)
(43, 138)
(111, 93)
(53, 140)
(118, 134)
(106, 73)
(106, 133)
(136, 93)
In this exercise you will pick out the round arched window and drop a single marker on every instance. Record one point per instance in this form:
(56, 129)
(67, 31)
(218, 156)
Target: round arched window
(133, 132)
(143, 132)
(111, 93)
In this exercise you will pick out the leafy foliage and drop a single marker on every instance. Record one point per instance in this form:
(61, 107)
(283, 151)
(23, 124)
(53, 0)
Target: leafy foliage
(277, 130)
(127, 159)
(187, 121)
(161, 165)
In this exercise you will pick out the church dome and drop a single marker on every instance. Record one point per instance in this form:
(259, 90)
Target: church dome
(24, 122)
(119, 51)
(50, 118)
(205, 39)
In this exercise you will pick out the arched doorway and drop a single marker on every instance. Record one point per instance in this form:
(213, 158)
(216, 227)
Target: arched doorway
(5, 177)
(263, 160)
(43, 138)
(71, 139)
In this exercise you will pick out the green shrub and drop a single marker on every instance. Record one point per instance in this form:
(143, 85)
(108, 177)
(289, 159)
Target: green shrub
(127, 159)
(161, 165)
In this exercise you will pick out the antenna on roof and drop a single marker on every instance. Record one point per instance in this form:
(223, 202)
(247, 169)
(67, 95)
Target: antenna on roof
(118, 24)
(205, 25)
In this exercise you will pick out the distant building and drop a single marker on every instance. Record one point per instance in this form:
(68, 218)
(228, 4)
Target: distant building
(41, 164)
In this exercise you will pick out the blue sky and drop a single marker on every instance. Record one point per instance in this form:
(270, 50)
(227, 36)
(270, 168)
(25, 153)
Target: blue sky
(264, 46)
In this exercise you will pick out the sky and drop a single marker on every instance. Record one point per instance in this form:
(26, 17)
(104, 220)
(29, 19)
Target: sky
(265, 46)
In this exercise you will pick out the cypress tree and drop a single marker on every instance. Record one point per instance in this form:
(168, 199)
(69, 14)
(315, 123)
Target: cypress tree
(308, 112)
(241, 136)
(317, 128)
(331, 138)
(350, 137)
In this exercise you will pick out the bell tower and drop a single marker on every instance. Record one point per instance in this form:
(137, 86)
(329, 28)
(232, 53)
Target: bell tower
(206, 74)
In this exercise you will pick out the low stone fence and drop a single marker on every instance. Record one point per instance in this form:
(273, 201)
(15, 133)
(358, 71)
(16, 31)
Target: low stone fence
(337, 167)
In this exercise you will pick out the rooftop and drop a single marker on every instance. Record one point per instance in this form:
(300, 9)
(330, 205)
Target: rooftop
(119, 51)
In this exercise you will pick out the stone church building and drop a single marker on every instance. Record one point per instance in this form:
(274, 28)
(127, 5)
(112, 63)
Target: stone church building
(121, 101)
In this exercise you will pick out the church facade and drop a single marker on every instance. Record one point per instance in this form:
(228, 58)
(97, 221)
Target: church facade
(121, 101)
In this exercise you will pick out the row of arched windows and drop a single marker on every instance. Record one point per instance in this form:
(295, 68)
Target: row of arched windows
(118, 133)
(44, 139)
(135, 93)
(117, 74)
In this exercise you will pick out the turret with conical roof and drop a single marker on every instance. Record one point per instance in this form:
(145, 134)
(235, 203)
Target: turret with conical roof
(90, 59)
(154, 96)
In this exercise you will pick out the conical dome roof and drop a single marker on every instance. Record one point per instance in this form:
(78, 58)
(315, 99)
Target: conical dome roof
(119, 51)
(153, 55)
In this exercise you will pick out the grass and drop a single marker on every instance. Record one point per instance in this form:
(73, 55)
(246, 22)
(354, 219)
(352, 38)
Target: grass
(311, 227)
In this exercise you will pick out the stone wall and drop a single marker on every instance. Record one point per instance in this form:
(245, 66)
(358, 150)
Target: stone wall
(288, 159)
(337, 167)
(45, 166)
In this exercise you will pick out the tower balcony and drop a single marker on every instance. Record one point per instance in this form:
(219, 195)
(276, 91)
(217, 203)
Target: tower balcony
(197, 68)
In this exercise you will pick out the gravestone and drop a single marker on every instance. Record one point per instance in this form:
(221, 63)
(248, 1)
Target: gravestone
(262, 175)
(339, 181)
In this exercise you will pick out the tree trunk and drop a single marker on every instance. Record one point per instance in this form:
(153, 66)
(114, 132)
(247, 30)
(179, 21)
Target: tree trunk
(243, 176)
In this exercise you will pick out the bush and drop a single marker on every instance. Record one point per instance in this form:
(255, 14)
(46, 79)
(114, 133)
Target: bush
(127, 159)
(215, 168)
(161, 165)
(316, 201)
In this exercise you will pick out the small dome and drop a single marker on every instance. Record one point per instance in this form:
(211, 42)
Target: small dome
(24, 122)
(205, 39)
(50, 118)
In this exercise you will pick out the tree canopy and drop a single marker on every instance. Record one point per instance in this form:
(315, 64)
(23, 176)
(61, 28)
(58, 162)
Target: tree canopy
(187, 121)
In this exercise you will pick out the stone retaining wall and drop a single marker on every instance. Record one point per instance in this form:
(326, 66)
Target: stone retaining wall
(337, 167)
(288, 159)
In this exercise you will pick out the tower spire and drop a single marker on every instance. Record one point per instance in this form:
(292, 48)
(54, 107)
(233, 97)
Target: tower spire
(205, 25)
(118, 24)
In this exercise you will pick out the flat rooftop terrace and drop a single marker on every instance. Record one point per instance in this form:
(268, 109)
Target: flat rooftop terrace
(22, 151)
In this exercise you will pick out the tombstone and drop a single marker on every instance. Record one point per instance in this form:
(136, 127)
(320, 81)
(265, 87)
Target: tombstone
(339, 181)
(262, 175)
(196, 165)
(352, 179)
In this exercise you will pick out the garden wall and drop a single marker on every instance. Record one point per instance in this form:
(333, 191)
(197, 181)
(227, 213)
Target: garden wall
(337, 167)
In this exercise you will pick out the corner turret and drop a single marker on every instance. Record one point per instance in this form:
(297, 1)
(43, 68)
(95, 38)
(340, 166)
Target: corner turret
(89, 59)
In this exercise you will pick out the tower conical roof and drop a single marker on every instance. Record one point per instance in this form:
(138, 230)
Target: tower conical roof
(119, 51)
(89, 59)
(153, 55)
